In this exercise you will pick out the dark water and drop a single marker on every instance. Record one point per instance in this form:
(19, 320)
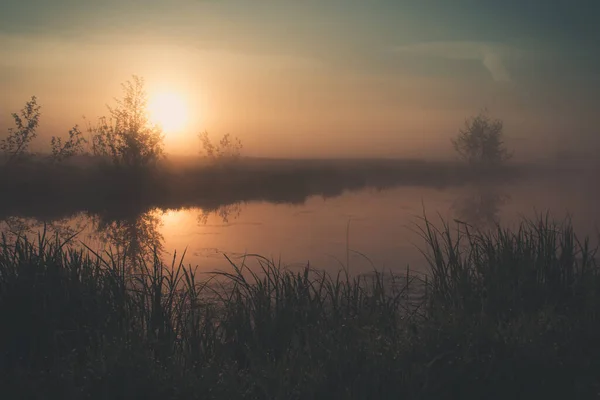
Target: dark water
(327, 232)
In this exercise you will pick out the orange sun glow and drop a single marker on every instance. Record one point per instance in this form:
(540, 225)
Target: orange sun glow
(169, 110)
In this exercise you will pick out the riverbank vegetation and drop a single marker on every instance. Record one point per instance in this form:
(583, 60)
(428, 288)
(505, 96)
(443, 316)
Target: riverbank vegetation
(502, 313)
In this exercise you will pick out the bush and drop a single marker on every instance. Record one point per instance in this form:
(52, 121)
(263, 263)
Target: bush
(127, 137)
(15, 146)
(481, 141)
(227, 150)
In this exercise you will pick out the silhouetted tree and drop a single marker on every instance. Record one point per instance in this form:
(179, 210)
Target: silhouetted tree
(72, 146)
(15, 146)
(127, 136)
(481, 141)
(228, 149)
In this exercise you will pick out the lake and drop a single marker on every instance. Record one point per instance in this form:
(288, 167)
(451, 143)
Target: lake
(364, 228)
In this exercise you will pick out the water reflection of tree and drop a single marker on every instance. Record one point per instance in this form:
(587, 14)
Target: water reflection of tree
(134, 237)
(62, 229)
(226, 213)
(481, 206)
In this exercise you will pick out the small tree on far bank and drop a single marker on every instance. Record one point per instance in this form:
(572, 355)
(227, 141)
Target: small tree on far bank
(128, 137)
(481, 141)
(69, 148)
(15, 147)
(228, 149)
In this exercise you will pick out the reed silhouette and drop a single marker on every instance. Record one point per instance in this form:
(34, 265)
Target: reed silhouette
(503, 314)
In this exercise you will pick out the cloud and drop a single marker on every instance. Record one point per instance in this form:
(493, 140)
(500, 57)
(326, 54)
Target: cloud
(494, 64)
(490, 55)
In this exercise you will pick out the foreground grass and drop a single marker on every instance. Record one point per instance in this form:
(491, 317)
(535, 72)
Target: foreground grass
(507, 313)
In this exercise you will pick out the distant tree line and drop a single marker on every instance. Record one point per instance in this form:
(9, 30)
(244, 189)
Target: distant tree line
(130, 140)
(126, 136)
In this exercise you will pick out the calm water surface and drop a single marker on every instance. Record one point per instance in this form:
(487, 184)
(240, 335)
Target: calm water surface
(378, 224)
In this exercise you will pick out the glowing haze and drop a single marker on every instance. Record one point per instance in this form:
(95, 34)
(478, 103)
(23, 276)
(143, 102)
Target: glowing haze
(312, 78)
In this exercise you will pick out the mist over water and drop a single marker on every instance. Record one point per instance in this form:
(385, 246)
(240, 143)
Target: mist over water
(364, 227)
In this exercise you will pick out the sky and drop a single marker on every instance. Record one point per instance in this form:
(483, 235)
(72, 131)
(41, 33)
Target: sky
(315, 77)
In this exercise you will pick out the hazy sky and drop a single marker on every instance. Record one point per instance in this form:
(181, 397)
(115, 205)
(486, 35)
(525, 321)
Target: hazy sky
(315, 77)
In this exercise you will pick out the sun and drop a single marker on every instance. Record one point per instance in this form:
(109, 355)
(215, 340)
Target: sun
(169, 110)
